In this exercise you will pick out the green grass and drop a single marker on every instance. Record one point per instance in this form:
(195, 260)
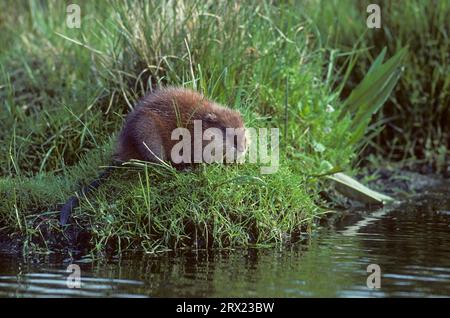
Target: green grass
(65, 92)
(416, 115)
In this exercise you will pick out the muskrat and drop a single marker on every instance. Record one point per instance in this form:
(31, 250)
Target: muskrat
(148, 133)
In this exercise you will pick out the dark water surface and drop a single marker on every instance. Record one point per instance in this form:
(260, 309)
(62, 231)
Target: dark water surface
(410, 243)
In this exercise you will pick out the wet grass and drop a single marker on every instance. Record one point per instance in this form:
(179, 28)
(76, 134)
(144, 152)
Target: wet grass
(65, 92)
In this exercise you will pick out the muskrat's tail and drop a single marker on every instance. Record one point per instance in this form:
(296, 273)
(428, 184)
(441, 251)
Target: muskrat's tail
(73, 201)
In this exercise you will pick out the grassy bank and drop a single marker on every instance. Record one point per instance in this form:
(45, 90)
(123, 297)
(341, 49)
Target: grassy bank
(65, 92)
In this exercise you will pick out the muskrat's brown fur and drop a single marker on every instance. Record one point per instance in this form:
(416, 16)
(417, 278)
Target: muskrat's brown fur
(159, 113)
(146, 134)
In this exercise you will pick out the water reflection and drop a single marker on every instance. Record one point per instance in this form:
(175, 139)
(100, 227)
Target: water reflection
(53, 283)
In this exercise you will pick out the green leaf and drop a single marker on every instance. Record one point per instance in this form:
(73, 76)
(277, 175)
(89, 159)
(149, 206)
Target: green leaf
(378, 61)
(376, 102)
(373, 83)
(353, 189)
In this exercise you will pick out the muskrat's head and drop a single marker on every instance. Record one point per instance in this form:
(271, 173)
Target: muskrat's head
(235, 137)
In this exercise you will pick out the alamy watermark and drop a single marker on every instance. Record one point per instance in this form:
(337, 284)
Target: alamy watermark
(74, 278)
(232, 145)
(374, 279)
(73, 19)
(374, 19)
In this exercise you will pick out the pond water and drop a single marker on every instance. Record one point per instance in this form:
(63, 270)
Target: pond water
(410, 243)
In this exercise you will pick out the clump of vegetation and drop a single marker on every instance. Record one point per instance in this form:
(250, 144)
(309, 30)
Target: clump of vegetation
(66, 95)
(415, 117)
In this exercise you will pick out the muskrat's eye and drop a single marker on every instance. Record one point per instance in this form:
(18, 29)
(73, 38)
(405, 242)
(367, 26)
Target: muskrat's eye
(211, 118)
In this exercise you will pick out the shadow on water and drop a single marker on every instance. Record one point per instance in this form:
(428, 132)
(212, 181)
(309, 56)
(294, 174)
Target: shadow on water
(410, 243)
